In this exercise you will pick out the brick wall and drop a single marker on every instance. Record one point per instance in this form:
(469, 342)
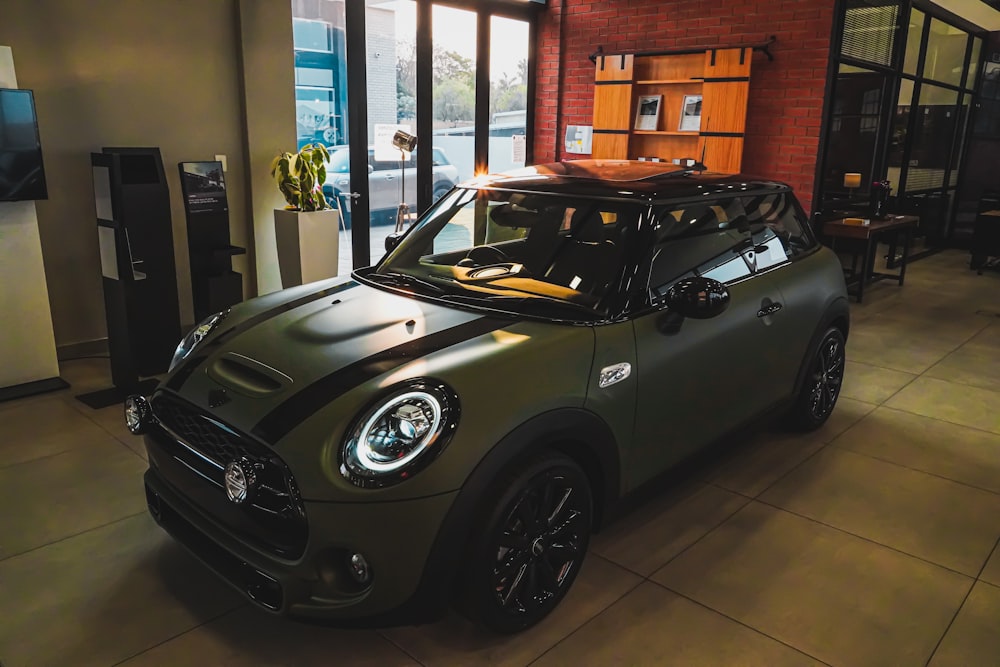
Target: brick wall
(786, 96)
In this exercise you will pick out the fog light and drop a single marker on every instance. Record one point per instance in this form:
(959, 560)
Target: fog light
(359, 568)
(137, 414)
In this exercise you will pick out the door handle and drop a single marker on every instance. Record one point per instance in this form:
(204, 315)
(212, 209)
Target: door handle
(389, 177)
(769, 310)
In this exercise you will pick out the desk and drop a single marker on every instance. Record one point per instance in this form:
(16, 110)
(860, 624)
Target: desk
(871, 234)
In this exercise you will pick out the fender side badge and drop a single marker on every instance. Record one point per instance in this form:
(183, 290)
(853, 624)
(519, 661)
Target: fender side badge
(614, 374)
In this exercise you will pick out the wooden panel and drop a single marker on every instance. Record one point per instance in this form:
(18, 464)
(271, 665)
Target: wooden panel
(724, 106)
(727, 63)
(614, 68)
(612, 107)
(722, 154)
(610, 146)
(665, 147)
(660, 68)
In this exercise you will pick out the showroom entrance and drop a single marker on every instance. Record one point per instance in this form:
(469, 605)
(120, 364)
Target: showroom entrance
(458, 75)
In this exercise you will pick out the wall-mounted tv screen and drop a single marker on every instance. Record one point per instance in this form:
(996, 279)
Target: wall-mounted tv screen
(21, 173)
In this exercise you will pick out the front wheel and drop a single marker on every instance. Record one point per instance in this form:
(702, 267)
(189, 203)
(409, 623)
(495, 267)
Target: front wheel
(822, 384)
(531, 545)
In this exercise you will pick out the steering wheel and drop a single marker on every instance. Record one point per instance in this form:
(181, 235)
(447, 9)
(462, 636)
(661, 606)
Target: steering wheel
(485, 254)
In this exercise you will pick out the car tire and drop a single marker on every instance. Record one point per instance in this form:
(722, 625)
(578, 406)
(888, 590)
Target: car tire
(822, 383)
(531, 540)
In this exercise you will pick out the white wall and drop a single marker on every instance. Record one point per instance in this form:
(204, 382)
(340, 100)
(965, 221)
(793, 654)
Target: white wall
(27, 344)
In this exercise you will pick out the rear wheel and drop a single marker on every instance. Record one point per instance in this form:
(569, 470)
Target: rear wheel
(530, 545)
(821, 387)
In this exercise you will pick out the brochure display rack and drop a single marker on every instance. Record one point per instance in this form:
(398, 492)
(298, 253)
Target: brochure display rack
(673, 105)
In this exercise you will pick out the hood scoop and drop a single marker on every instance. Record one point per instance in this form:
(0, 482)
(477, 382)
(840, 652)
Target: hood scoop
(247, 376)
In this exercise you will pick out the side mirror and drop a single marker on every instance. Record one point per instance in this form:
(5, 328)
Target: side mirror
(697, 298)
(392, 240)
(370, 168)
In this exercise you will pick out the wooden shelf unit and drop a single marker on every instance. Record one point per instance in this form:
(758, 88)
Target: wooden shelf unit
(720, 76)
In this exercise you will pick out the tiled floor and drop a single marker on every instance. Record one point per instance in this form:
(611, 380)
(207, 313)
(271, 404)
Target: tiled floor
(870, 542)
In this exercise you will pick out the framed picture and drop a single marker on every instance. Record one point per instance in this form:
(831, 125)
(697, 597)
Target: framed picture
(647, 113)
(690, 114)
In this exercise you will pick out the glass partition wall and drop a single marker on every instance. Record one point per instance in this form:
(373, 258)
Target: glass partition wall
(364, 69)
(898, 109)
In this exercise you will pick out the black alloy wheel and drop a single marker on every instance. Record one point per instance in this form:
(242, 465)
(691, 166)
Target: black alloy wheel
(822, 383)
(531, 549)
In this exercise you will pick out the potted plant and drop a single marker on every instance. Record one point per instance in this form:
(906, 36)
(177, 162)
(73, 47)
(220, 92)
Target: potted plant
(305, 230)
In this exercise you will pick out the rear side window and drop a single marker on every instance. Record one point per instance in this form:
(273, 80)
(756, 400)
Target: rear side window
(778, 223)
(704, 238)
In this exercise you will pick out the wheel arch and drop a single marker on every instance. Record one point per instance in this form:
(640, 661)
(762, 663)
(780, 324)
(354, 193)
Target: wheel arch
(837, 314)
(579, 434)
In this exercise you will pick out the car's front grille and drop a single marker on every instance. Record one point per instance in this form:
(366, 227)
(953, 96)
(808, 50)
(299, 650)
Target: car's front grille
(199, 447)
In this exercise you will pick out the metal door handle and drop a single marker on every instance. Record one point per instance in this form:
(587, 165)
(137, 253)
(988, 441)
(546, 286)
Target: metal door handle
(769, 310)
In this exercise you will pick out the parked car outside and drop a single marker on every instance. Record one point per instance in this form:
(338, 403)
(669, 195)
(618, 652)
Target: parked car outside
(450, 425)
(385, 182)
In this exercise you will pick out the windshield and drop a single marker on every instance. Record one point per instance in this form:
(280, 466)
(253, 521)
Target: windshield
(530, 253)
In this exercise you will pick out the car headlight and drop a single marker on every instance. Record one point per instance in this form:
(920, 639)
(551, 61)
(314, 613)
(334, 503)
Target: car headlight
(195, 336)
(399, 434)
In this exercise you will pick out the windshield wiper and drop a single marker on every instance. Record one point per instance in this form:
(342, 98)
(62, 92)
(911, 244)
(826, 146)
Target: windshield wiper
(397, 279)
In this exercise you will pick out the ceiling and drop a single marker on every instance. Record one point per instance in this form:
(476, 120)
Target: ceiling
(983, 13)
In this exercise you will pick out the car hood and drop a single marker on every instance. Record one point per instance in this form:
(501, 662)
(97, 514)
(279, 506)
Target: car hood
(277, 360)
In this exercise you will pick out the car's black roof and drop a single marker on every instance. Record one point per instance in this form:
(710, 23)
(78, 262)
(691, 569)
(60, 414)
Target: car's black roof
(623, 179)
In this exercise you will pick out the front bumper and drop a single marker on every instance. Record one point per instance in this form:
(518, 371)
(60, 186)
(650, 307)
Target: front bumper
(396, 538)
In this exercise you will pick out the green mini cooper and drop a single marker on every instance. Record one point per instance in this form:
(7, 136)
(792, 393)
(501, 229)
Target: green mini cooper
(451, 425)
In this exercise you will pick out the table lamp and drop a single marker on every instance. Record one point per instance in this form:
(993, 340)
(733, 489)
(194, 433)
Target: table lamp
(851, 181)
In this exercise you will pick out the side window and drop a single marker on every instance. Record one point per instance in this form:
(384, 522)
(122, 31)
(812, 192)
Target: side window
(438, 159)
(778, 225)
(702, 238)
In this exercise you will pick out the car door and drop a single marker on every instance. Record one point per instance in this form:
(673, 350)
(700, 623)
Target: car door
(698, 379)
(785, 253)
(383, 182)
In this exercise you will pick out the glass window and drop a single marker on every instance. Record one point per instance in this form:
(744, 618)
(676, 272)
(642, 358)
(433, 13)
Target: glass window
(508, 93)
(932, 138)
(945, 57)
(870, 29)
(956, 155)
(900, 125)
(914, 35)
(454, 96)
(778, 223)
(315, 116)
(853, 135)
(311, 35)
(314, 76)
(700, 239)
(977, 49)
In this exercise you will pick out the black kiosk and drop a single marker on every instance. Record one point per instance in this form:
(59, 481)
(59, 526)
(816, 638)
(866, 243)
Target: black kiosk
(137, 262)
(214, 284)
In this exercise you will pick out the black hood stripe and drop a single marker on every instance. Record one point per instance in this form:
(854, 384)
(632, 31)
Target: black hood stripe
(180, 377)
(299, 407)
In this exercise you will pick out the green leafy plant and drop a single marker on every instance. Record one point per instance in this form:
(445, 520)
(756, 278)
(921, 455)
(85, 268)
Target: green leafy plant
(300, 177)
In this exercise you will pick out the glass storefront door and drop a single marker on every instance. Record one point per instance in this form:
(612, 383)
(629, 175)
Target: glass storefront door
(390, 43)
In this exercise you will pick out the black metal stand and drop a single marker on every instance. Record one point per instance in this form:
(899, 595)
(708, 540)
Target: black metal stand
(137, 262)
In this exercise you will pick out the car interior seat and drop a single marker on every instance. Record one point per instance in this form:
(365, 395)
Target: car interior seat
(586, 261)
